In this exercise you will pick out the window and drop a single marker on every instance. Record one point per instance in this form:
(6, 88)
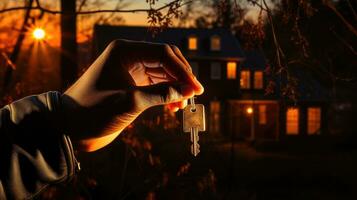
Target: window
(192, 43)
(214, 124)
(258, 80)
(313, 120)
(215, 71)
(215, 43)
(292, 121)
(231, 70)
(194, 66)
(262, 114)
(245, 79)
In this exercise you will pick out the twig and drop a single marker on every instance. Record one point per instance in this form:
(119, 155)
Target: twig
(350, 47)
(352, 9)
(8, 61)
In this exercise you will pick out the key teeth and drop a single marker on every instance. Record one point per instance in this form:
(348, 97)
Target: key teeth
(193, 149)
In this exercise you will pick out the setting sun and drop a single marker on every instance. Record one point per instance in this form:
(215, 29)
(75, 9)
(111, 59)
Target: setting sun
(39, 33)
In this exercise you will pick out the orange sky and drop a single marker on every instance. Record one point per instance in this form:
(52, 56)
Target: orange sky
(11, 22)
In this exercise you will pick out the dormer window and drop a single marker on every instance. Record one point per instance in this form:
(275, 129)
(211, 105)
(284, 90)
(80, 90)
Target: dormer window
(192, 43)
(215, 43)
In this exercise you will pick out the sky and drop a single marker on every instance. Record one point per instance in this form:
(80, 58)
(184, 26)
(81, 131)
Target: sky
(10, 21)
(140, 18)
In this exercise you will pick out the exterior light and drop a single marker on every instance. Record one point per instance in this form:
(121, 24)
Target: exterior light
(39, 34)
(249, 110)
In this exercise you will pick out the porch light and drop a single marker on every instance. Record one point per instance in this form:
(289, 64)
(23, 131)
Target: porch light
(249, 110)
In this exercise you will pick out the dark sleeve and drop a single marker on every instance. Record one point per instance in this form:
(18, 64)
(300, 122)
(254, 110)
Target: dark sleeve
(34, 152)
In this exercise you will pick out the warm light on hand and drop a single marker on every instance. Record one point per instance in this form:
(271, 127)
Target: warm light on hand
(39, 34)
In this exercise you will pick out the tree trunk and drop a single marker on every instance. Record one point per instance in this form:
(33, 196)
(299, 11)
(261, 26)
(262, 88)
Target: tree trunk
(68, 43)
(15, 52)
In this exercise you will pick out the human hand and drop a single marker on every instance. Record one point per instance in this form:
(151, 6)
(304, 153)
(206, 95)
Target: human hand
(126, 79)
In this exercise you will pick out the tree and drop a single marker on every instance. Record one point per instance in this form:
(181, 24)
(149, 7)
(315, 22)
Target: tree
(69, 45)
(159, 17)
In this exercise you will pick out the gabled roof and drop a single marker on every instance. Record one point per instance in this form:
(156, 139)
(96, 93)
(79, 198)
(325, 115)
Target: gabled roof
(230, 47)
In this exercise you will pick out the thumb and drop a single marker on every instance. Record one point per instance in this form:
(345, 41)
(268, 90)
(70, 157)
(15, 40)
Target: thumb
(162, 93)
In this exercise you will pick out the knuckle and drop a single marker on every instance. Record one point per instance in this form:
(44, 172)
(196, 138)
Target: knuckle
(168, 50)
(175, 48)
(116, 43)
(167, 47)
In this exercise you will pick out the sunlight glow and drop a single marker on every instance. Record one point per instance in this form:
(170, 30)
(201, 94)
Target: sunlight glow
(39, 34)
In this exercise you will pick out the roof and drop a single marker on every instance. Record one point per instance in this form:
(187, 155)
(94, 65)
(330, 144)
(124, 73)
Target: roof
(230, 47)
(254, 60)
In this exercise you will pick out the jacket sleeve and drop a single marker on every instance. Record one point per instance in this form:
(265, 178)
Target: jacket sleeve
(34, 152)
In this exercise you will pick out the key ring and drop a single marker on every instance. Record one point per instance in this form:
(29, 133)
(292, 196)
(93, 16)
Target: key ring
(192, 99)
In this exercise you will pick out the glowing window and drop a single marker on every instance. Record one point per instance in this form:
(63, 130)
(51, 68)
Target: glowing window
(192, 43)
(214, 124)
(215, 43)
(245, 79)
(215, 71)
(292, 121)
(194, 66)
(262, 114)
(313, 120)
(258, 80)
(231, 70)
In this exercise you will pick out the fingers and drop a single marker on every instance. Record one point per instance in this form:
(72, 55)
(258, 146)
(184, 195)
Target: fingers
(159, 73)
(180, 69)
(162, 93)
(179, 54)
(174, 107)
(170, 57)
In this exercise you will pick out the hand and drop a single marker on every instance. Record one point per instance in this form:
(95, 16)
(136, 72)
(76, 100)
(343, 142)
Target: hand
(126, 79)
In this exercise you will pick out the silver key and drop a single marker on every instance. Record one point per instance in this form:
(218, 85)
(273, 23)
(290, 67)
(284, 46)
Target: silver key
(193, 122)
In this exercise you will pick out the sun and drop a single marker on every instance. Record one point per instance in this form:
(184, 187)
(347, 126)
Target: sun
(38, 33)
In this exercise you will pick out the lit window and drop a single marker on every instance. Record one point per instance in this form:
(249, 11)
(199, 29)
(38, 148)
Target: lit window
(258, 80)
(215, 43)
(231, 70)
(245, 79)
(214, 116)
(262, 114)
(215, 71)
(313, 120)
(194, 66)
(192, 43)
(292, 121)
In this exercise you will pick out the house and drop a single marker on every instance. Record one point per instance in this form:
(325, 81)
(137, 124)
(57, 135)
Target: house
(235, 83)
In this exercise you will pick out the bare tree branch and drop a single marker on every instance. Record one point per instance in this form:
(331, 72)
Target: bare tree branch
(350, 27)
(343, 41)
(46, 10)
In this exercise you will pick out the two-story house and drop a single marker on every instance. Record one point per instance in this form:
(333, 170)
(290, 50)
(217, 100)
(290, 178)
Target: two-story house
(214, 55)
(234, 81)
